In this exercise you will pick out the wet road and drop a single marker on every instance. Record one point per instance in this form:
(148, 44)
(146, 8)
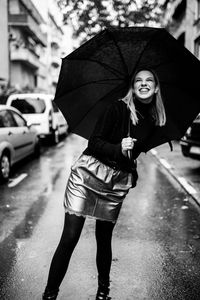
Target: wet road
(156, 243)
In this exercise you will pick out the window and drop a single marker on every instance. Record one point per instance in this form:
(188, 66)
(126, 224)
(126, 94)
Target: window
(29, 105)
(198, 9)
(197, 47)
(1, 119)
(19, 120)
(7, 119)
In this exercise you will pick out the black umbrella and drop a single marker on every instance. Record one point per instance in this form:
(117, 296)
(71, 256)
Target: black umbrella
(100, 71)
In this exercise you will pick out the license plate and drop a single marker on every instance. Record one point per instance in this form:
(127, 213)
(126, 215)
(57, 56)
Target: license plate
(195, 150)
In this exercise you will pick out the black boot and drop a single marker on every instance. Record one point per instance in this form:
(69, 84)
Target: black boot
(50, 295)
(103, 292)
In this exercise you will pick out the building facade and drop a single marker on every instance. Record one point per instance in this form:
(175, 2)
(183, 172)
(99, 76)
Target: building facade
(32, 47)
(4, 58)
(27, 45)
(55, 40)
(182, 19)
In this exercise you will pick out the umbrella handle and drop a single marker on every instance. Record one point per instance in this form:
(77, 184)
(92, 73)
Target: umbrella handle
(129, 154)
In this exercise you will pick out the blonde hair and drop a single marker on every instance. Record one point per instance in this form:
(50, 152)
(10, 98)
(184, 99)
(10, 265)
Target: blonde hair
(157, 110)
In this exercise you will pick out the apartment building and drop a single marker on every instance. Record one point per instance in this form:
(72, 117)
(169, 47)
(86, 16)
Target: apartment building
(182, 19)
(55, 41)
(32, 36)
(4, 59)
(27, 43)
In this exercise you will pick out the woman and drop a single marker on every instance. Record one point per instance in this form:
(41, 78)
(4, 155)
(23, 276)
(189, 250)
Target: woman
(103, 175)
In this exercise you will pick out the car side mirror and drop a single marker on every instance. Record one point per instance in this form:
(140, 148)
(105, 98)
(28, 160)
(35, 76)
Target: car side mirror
(29, 124)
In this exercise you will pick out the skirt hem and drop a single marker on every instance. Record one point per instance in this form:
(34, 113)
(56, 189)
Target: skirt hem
(78, 214)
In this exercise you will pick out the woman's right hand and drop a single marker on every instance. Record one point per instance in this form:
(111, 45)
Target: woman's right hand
(127, 144)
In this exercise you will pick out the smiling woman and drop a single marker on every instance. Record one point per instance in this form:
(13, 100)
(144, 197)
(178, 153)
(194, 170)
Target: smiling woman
(145, 86)
(103, 175)
(145, 89)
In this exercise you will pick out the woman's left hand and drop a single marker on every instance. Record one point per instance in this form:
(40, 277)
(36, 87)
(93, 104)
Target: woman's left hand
(127, 144)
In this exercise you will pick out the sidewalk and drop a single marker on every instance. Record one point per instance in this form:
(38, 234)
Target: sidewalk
(185, 170)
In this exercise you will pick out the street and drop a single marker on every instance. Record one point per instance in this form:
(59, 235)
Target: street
(156, 248)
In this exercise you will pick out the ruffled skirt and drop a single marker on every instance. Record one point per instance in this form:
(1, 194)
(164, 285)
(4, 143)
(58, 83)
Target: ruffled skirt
(96, 190)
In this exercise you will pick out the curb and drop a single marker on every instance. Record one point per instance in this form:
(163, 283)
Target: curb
(187, 186)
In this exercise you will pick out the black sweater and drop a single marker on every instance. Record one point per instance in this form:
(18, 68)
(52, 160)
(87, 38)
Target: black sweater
(112, 127)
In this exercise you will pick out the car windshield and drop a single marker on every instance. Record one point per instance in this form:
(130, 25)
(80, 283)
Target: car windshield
(29, 105)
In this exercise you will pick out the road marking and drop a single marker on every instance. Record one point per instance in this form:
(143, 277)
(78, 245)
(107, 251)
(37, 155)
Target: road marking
(165, 163)
(186, 185)
(17, 180)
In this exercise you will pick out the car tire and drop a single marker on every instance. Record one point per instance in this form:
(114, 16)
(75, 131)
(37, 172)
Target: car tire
(37, 149)
(55, 136)
(4, 167)
(185, 150)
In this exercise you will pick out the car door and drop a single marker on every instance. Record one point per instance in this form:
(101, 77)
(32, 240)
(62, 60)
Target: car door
(27, 135)
(13, 133)
(59, 120)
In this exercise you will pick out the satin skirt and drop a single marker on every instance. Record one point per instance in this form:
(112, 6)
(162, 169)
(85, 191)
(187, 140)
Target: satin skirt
(96, 190)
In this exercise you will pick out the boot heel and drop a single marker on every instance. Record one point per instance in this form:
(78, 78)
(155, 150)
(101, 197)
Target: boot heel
(50, 295)
(102, 293)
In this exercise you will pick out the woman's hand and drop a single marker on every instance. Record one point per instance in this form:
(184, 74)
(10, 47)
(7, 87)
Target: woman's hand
(127, 144)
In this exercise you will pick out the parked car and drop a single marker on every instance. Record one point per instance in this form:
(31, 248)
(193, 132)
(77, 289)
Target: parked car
(41, 111)
(17, 139)
(190, 143)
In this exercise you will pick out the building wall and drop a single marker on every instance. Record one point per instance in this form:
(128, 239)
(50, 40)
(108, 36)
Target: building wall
(4, 59)
(32, 44)
(188, 25)
(22, 76)
(26, 46)
(189, 21)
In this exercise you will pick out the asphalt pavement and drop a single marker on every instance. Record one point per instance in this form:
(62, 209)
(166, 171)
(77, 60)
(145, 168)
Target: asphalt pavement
(156, 246)
(185, 170)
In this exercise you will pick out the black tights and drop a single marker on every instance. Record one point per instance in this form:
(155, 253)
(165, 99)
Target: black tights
(71, 232)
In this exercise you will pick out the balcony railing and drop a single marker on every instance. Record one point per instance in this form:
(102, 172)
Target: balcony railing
(25, 56)
(29, 25)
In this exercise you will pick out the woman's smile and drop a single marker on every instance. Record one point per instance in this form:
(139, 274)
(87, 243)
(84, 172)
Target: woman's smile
(144, 86)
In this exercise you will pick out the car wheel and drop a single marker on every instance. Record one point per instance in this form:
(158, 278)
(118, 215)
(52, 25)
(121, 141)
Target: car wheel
(185, 150)
(55, 136)
(4, 167)
(37, 149)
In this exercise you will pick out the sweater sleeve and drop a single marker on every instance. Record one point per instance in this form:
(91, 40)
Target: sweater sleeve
(99, 141)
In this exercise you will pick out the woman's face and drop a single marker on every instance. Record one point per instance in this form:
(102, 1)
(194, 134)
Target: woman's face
(144, 86)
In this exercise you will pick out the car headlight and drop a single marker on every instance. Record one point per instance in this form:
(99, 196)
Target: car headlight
(188, 132)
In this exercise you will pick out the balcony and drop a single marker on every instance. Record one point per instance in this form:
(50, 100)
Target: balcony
(55, 61)
(55, 41)
(26, 57)
(27, 23)
(54, 78)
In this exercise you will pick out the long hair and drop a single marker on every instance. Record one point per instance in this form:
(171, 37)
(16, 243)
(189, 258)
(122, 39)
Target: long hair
(157, 109)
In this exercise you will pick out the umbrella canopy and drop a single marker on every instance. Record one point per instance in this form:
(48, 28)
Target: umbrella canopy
(100, 71)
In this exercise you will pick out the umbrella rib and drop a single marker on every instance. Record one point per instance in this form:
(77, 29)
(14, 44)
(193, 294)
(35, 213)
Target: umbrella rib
(120, 53)
(100, 82)
(141, 53)
(107, 95)
(112, 70)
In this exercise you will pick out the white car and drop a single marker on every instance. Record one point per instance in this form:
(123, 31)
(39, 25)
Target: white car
(17, 139)
(41, 111)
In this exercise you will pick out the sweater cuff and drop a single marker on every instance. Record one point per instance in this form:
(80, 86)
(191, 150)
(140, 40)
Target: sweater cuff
(119, 156)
